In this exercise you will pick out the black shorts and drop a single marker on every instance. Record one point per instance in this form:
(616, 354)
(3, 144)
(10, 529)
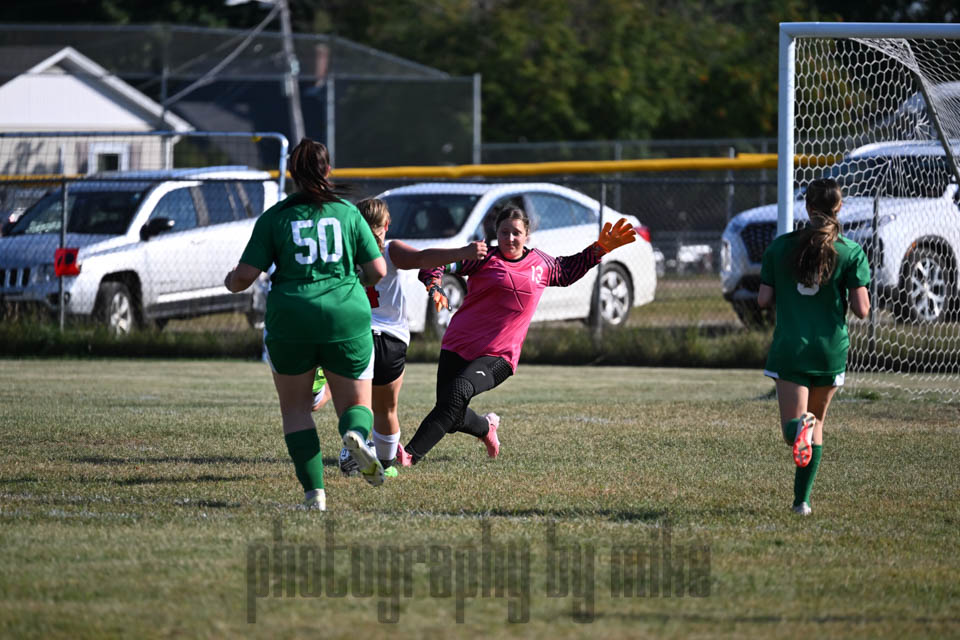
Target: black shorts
(389, 358)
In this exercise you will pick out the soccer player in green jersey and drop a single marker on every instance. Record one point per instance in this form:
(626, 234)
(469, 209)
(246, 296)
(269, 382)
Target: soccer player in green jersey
(812, 275)
(318, 314)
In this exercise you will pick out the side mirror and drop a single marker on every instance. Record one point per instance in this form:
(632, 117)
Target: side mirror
(155, 227)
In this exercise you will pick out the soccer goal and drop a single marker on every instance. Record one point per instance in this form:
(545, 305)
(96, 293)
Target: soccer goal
(877, 106)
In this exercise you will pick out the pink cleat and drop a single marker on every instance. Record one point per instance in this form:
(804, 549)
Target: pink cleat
(803, 445)
(403, 458)
(491, 441)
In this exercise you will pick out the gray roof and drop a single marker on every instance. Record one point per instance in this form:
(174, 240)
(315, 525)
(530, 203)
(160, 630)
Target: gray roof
(14, 60)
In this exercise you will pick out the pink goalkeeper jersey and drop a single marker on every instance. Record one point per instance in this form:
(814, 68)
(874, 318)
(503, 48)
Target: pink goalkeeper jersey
(502, 296)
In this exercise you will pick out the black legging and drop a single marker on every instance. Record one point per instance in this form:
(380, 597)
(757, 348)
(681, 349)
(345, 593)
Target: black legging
(458, 381)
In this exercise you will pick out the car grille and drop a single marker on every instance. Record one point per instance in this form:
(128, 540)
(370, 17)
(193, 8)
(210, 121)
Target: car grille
(757, 237)
(14, 278)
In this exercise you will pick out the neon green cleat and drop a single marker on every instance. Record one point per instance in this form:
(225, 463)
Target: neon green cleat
(390, 472)
(370, 468)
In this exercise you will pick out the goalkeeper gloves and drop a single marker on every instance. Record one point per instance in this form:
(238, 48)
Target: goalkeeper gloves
(616, 235)
(435, 293)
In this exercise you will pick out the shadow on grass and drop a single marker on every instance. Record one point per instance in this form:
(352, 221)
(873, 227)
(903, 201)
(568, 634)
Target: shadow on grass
(664, 618)
(126, 482)
(188, 460)
(614, 515)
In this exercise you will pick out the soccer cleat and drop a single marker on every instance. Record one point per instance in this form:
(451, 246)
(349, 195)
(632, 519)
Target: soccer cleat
(802, 509)
(366, 458)
(316, 502)
(390, 472)
(803, 444)
(491, 441)
(348, 466)
(404, 459)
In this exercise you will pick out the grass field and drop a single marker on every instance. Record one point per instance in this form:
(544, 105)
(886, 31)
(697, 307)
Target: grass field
(145, 499)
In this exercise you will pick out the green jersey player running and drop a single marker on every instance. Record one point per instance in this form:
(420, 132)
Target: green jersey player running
(812, 275)
(317, 313)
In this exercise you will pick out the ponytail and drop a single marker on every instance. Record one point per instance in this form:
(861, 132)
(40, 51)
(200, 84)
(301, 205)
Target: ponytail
(310, 168)
(815, 256)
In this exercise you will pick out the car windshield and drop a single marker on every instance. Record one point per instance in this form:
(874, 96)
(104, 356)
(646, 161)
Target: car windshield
(907, 176)
(428, 215)
(102, 211)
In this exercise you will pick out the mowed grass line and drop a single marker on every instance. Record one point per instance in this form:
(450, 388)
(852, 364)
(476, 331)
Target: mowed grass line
(134, 493)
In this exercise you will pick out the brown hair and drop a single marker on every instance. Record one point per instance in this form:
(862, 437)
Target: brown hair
(512, 213)
(309, 168)
(377, 215)
(816, 257)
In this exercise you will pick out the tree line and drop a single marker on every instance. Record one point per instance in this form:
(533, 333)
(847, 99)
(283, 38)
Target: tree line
(557, 69)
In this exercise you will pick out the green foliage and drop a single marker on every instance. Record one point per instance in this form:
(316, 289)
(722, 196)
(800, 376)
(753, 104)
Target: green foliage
(559, 69)
(27, 339)
(574, 345)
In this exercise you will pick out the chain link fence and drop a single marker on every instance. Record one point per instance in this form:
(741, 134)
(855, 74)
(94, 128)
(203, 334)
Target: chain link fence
(151, 242)
(351, 97)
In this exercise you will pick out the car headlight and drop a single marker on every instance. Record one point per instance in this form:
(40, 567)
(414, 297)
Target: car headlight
(726, 261)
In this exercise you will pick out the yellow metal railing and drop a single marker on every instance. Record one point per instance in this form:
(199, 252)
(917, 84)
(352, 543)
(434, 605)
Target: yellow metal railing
(741, 162)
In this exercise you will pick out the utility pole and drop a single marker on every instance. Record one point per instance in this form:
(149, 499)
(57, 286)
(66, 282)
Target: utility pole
(291, 88)
(291, 85)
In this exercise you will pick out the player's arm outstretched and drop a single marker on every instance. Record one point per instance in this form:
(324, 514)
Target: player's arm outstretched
(568, 269)
(473, 256)
(406, 257)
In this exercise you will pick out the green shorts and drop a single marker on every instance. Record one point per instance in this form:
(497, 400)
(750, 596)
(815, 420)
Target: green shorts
(350, 358)
(807, 380)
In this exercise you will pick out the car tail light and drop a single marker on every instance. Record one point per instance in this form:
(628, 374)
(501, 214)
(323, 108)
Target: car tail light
(643, 231)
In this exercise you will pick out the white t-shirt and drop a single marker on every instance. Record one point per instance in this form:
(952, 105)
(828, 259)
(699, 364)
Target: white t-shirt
(387, 304)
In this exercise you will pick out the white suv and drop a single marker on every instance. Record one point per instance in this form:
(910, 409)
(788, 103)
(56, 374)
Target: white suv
(911, 236)
(153, 245)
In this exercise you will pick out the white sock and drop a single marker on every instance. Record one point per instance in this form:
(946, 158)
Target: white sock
(386, 445)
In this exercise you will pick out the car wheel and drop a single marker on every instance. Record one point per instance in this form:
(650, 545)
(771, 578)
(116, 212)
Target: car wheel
(926, 286)
(752, 316)
(455, 290)
(115, 308)
(616, 297)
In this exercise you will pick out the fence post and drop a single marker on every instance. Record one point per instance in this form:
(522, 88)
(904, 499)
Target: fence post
(872, 346)
(597, 328)
(731, 153)
(63, 243)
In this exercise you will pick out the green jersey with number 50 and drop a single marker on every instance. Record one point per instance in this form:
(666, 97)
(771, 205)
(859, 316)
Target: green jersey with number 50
(315, 294)
(811, 334)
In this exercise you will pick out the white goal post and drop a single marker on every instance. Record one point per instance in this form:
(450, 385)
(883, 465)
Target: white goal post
(877, 106)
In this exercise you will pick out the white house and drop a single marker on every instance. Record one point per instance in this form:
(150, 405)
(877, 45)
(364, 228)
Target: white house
(58, 89)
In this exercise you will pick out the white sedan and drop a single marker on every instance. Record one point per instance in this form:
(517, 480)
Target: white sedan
(563, 222)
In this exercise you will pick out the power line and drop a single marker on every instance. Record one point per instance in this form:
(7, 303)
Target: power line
(206, 78)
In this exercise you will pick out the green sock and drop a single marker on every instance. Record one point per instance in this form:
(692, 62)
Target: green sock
(790, 430)
(357, 418)
(803, 480)
(304, 449)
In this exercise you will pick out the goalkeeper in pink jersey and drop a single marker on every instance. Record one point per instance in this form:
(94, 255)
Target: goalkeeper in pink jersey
(482, 344)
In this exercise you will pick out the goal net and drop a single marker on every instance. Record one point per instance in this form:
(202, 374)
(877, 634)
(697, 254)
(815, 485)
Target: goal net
(878, 108)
